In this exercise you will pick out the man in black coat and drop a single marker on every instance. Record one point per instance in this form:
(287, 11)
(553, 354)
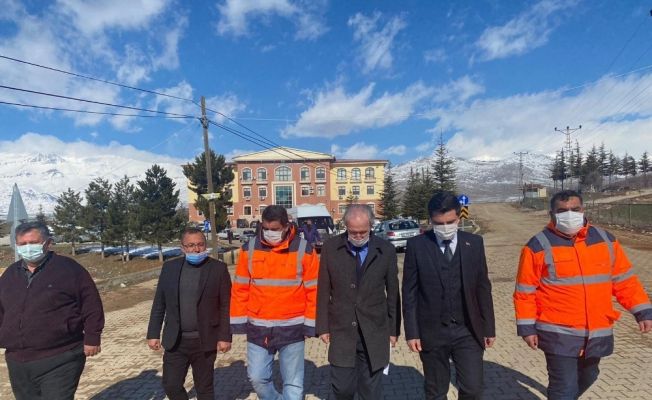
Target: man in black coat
(193, 297)
(358, 306)
(447, 303)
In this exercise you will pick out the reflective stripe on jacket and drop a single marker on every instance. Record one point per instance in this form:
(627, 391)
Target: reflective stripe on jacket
(564, 291)
(275, 288)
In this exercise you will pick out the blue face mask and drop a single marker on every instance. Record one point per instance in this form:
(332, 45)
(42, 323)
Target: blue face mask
(32, 253)
(196, 258)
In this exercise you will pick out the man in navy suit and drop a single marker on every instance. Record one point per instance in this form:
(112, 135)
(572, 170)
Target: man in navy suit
(447, 303)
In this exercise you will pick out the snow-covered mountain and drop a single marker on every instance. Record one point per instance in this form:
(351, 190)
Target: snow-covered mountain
(482, 181)
(42, 176)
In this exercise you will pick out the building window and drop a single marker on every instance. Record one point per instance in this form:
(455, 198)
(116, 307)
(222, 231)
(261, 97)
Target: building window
(369, 173)
(305, 174)
(320, 174)
(342, 208)
(262, 208)
(229, 211)
(262, 192)
(262, 174)
(246, 191)
(283, 173)
(355, 190)
(247, 210)
(355, 174)
(246, 174)
(283, 195)
(305, 190)
(341, 174)
(370, 190)
(321, 190)
(341, 190)
(373, 207)
(199, 213)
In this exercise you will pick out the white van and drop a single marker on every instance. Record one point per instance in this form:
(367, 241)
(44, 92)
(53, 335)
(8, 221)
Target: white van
(319, 216)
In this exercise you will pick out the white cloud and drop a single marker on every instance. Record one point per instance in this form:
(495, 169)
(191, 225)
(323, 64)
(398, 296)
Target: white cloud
(227, 104)
(375, 43)
(435, 56)
(459, 90)
(611, 110)
(395, 150)
(335, 112)
(237, 152)
(529, 30)
(358, 151)
(235, 16)
(424, 147)
(98, 15)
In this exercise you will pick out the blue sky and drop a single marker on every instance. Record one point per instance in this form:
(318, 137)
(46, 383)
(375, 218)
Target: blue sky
(358, 79)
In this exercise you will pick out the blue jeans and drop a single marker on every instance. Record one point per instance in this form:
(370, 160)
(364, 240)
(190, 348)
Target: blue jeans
(570, 377)
(259, 370)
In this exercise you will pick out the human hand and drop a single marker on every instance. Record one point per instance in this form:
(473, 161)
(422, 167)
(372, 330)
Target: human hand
(325, 337)
(489, 341)
(645, 326)
(223, 347)
(392, 340)
(154, 344)
(414, 345)
(91, 351)
(532, 341)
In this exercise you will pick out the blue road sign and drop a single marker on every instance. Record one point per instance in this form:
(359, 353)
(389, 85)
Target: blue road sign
(464, 200)
(207, 226)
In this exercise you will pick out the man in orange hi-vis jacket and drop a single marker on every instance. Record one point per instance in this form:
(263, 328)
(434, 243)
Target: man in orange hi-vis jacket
(567, 276)
(273, 301)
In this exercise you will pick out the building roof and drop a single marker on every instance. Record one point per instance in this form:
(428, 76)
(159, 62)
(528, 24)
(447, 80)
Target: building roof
(283, 154)
(360, 161)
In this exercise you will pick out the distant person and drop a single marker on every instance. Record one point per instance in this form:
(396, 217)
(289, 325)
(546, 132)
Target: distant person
(567, 276)
(358, 306)
(273, 301)
(193, 297)
(310, 232)
(447, 302)
(51, 318)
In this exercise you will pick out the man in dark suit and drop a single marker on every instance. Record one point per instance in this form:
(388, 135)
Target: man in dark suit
(193, 297)
(358, 306)
(447, 303)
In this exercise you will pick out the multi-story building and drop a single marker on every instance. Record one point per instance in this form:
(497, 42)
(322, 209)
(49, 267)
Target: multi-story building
(292, 177)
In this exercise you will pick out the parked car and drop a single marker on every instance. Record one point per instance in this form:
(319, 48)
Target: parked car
(246, 235)
(224, 235)
(397, 231)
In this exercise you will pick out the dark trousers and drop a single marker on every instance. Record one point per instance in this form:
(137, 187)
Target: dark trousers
(461, 346)
(346, 382)
(187, 353)
(570, 377)
(51, 378)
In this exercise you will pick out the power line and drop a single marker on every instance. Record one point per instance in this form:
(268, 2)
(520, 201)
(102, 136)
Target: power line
(92, 101)
(87, 111)
(94, 79)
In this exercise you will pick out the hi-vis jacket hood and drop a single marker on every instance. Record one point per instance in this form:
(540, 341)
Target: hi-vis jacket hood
(564, 291)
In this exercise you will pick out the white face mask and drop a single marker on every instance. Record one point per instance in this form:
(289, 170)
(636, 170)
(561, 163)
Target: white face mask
(359, 242)
(445, 231)
(273, 237)
(569, 222)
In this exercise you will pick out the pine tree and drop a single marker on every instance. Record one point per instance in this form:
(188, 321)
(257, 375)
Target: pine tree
(222, 175)
(591, 175)
(576, 170)
(389, 206)
(603, 160)
(40, 215)
(157, 203)
(68, 217)
(644, 167)
(413, 198)
(443, 168)
(96, 211)
(613, 165)
(122, 215)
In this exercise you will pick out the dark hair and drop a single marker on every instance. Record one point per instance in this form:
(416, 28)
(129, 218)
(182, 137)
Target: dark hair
(192, 231)
(443, 202)
(564, 195)
(33, 225)
(276, 213)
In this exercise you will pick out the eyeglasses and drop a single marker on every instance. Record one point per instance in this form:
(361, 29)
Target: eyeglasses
(194, 246)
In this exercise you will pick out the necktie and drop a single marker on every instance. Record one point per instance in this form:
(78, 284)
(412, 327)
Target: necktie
(448, 253)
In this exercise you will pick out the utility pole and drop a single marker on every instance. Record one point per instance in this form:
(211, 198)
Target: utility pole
(209, 176)
(520, 155)
(568, 131)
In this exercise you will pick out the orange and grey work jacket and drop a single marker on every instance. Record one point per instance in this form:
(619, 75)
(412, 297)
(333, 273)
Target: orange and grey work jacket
(274, 292)
(564, 291)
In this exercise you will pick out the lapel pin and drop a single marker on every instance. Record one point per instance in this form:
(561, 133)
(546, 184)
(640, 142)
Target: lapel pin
(467, 243)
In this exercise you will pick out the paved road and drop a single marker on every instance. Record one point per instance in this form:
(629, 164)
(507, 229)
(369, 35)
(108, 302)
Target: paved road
(126, 369)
